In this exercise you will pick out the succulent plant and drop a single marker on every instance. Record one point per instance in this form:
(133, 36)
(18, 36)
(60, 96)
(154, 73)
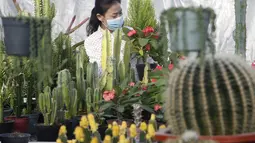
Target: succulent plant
(213, 98)
(48, 105)
(44, 8)
(137, 114)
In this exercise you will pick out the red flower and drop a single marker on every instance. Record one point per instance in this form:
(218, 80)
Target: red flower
(170, 66)
(148, 30)
(109, 95)
(148, 47)
(131, 84)
(159, 67)
(157, 107)
(153, 80)
(144, 88)
(156, 36)
(253, 64)
(138, 94)
(131, 33)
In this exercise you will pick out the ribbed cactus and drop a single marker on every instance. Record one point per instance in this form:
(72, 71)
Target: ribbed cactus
(69, 93)
(44, 8)
(213, 98)
(93, 94)
(48, 106)
(137, 114)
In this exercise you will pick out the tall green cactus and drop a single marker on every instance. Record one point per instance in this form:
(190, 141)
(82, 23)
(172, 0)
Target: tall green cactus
(215, 98)
(44, 8)
(240, 32)
(48, 106)
(69, 93)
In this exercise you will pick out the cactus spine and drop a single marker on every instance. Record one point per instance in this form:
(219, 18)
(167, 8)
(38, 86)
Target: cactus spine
(48, 106)
(69, 93)
(44, 8)
(215, 98)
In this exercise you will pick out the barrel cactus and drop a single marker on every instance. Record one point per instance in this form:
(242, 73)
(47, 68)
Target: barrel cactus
(215, 97)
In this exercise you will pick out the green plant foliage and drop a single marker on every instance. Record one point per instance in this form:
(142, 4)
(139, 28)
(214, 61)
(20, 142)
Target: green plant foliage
(141, 14)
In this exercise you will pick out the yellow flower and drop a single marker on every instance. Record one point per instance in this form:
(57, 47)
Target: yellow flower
(143, 126)
(132, 131)
(148, 137)
(59, 141)
(84, 122)
(109, 126)
(79, 135)
(94, 140)
(124, 124)
(71, 141)
(162, 126)
(122, 130)
(107, 139)
(115, 130)
(91, 117)
(62, 130)
(92, 123)
(151, 130)
(114, 123)
(153, 117)
(122, 139)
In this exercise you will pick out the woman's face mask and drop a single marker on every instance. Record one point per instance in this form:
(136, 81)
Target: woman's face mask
(116, 23)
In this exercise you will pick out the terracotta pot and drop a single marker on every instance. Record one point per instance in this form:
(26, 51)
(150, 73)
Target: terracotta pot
(20, 124)
(163, 135)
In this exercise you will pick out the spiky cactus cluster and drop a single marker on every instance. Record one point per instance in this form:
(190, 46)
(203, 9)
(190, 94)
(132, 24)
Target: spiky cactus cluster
(67, 89)
(44, 8)
(137, 114)
(213, 98)
(48, 105)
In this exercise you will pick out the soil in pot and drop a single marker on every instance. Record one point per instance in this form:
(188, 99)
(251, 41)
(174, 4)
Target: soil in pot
(6, 127)
(140, 69)
(14, 138)
(20, 124)
(16, 36)
(47, 133)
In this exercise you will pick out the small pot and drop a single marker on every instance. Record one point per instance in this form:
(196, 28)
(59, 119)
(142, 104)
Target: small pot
(47, 133)
(164, 134)
(69, 128)
(140, 69)
(16, 36)
(102, 129)
(33, 119)
(6, 127)
(14, 138)
(20, 124)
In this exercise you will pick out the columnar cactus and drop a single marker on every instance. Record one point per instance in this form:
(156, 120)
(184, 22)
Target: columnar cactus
(48, 106)
(44, 8)
(213, 98)
(68, 91)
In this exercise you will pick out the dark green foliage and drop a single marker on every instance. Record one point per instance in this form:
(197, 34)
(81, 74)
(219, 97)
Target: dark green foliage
(215, 98)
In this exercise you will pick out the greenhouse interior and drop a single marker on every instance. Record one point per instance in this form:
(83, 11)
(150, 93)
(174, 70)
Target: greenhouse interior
(127, 71)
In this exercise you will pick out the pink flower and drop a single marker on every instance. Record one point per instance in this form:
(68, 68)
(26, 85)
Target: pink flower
(153, 80)
(148, 47)
(170, 66)
(109, 95)
(131, 33)
(125, 91)
(157, 107)
(156, 36)
(131, 84)
(159, 67)
(144, 88)
(138, 94)
(253, 64)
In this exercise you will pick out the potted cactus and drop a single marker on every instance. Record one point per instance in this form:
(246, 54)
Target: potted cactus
(48, 107)
(212, 95)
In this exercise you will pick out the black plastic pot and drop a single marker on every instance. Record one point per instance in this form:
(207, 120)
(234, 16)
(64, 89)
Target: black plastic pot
(14, 138)
(140, 69)
(69, 128)
(47, 133)
(33, 119)
(6, 127)
(16, 36)
(102, 129)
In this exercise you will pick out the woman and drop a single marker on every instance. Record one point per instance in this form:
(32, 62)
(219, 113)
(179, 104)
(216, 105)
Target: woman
(107, 14)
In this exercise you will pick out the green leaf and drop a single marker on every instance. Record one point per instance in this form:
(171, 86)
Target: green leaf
(125, 30)
(120, 109)
(143, 41)
(154, 44)
(147, 108)
(141, 52)
(106, 106)
(130, 101)
(125, 38)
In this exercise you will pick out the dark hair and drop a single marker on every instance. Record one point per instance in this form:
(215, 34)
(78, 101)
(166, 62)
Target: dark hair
(101, 7)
